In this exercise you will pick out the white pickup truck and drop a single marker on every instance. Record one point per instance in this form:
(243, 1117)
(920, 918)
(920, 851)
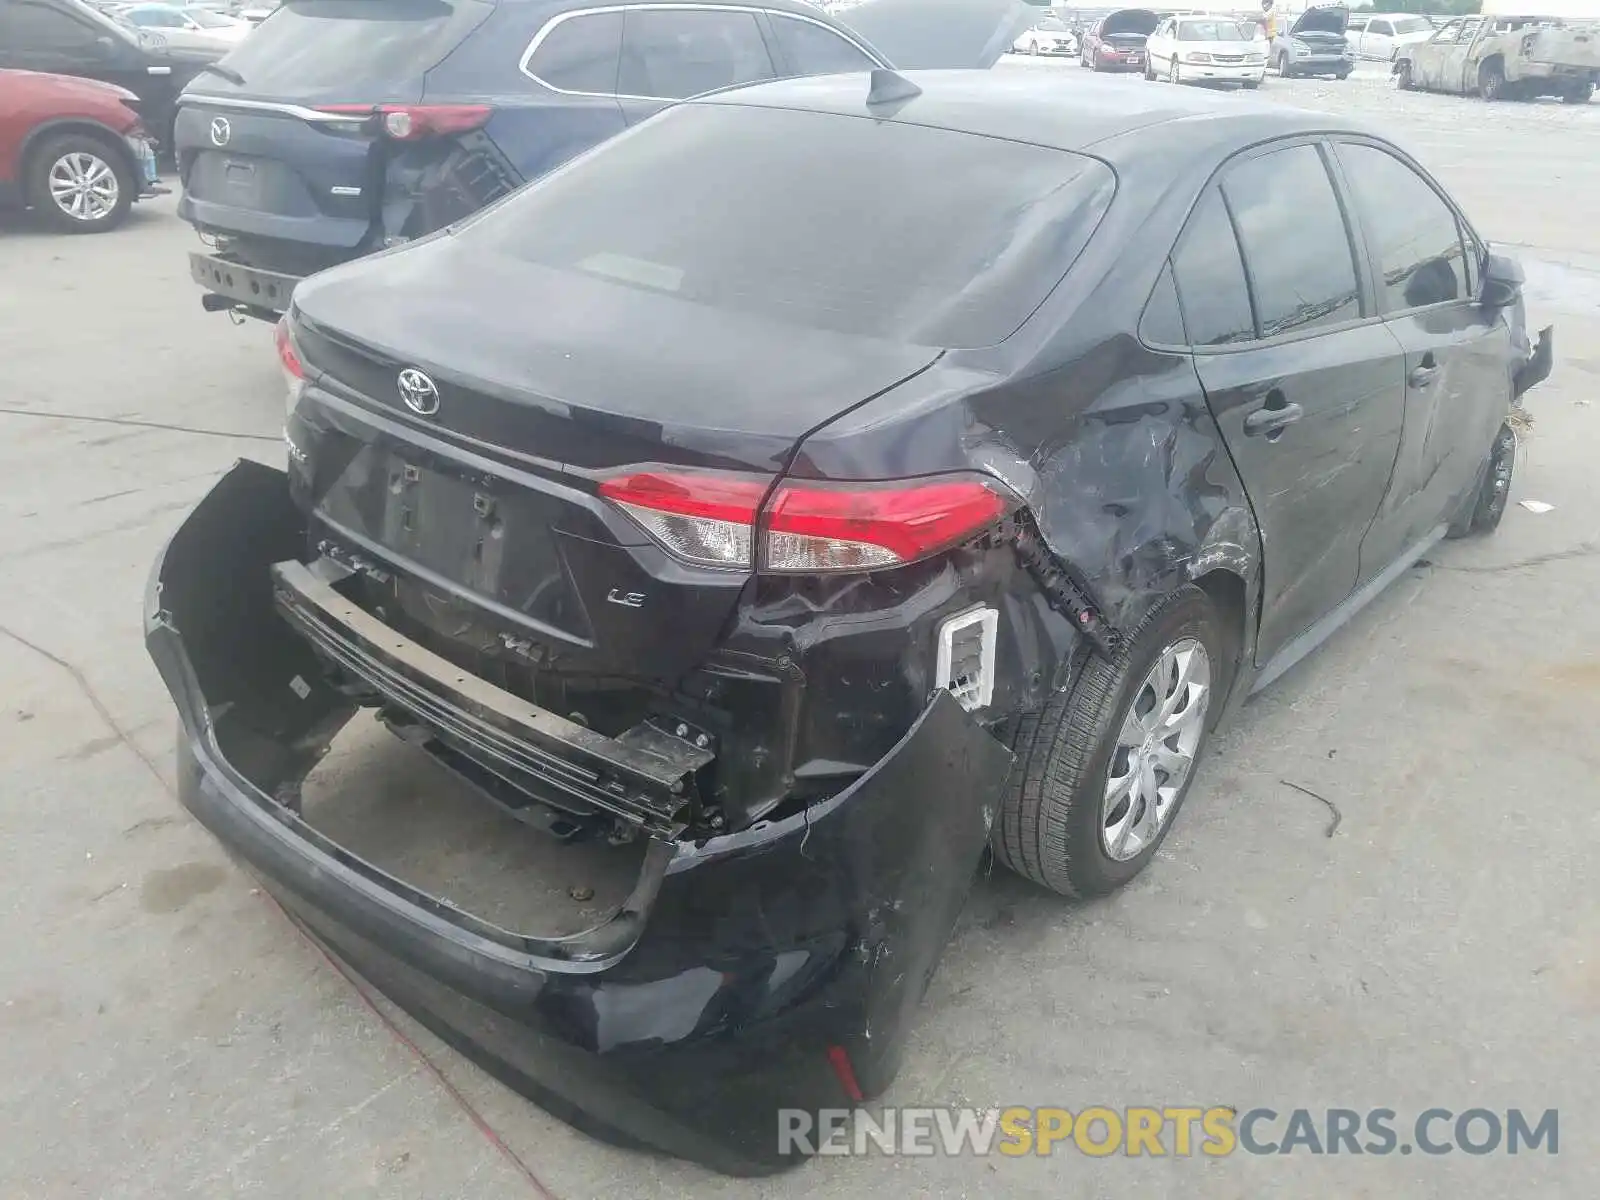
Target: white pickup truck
(1506, 58)
(1379, 36)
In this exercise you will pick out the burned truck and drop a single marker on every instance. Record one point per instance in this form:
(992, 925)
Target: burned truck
(1505, 56)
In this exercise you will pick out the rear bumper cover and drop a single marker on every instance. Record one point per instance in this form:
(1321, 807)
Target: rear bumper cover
(713, 998)
(248, 286)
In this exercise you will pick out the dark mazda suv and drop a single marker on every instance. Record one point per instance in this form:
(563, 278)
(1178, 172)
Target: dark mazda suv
(341, 127)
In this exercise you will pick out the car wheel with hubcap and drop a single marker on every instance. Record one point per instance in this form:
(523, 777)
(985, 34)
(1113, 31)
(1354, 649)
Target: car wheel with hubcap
(78, 184)
(1103, 769)
(1402, 76)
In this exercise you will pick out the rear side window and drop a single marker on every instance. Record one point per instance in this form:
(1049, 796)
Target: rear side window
(669, 54)
(978, 232)
(1297, 250)
(357, 49)
(814, 50)
(1415, 233)
(580, 54)
(25, 26)
(1162, 323)
(1210, 278)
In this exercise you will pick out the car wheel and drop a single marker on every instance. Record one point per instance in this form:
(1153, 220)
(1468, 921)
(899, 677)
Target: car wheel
(1033, 47)
(1149, 68)
(1402, 76)
(1172, 71)
(1251, 85)
(79, 184)
(1103, 769)
(1578, 95)
(1341, 75)
(1491, 82)
(1487, 504)
(1284, 69)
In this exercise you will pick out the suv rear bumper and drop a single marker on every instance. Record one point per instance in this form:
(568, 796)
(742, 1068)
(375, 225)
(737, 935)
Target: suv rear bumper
(731, 984)
(241, 285)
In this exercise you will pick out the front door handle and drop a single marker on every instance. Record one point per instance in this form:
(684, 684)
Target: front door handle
(1270, 420)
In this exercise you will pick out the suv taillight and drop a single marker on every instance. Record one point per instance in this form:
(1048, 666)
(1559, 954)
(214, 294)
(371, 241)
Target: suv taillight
(412, 122)
(718, 519)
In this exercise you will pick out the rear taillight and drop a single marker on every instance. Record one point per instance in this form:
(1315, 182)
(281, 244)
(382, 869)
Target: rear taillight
(288, 357)
(720, 520)
(412, 122)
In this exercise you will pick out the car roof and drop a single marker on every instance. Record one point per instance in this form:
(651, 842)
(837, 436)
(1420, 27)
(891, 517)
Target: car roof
(1080, 113)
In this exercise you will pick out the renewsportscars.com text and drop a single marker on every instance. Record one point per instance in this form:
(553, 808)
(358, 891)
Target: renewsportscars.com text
(1176, 1131)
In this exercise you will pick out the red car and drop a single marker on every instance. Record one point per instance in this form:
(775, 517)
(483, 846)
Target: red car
(73, 150)
(1116, 41)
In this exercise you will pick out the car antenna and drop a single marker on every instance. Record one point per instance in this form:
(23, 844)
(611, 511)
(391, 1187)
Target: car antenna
(890, 87)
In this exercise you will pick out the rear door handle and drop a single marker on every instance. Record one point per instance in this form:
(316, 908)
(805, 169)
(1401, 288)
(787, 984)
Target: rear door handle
(1270, 420)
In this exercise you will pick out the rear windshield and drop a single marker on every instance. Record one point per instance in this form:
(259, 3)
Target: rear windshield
(830, 222)
(356, 46)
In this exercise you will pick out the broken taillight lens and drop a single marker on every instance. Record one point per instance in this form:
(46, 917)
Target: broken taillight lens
(411, 122)
(719, 519)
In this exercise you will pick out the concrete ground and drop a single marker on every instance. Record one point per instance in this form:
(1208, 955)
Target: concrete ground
(165, 1032)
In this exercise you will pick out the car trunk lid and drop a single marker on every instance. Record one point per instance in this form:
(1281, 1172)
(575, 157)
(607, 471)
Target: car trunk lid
(275, 143)
(489, 505)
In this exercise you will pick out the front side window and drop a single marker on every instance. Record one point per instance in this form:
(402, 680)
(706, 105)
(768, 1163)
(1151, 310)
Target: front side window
(1414, 232)
(814, 50)
(1412, 25)
(1297, 249)
(1448, 32)
(670, 54)
(1210, 277)
(580, 54)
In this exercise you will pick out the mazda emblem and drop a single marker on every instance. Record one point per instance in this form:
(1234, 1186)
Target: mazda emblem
(419, 392)
(221, 131)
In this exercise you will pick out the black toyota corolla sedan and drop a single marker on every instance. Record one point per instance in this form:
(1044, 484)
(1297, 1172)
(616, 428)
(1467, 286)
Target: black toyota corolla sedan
(801, 493)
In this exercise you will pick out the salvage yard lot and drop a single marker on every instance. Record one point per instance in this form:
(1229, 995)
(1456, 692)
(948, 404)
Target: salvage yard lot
(165, 1032)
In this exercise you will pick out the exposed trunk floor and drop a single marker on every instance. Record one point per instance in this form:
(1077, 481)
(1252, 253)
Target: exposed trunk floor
(395, 807)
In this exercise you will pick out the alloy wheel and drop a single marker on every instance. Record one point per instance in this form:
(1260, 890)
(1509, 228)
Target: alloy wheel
(83, 186)
(1156, 744)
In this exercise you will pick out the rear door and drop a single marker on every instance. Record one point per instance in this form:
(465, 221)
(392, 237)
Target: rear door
(280, 141)
(672, 52)
(1305, 382)
(1457, 72)
(1458, 354)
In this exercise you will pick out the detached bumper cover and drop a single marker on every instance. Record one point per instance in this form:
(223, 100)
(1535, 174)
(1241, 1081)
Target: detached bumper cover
(1536, 369)
(709, 1001)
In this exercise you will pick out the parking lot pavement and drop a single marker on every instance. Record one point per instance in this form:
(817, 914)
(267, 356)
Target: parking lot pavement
(164, 1032)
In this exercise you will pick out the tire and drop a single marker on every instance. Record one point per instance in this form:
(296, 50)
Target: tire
(1402, 76)
(1491, 83)
(1578, 95)
(1173, 75)
(1052, 826)
(1033, 48)
(76, 183)
(1149, 69)
(1341, 75)
(1251, 85)
(1285, 71)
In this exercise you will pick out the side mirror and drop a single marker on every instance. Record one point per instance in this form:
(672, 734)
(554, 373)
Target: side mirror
(1502, 281)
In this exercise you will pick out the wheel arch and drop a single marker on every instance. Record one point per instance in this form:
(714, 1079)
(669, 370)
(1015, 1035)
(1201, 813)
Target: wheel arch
(41, 135)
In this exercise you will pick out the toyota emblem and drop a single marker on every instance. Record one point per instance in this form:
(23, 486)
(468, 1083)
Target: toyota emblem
(419, 392)
(221, 131)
